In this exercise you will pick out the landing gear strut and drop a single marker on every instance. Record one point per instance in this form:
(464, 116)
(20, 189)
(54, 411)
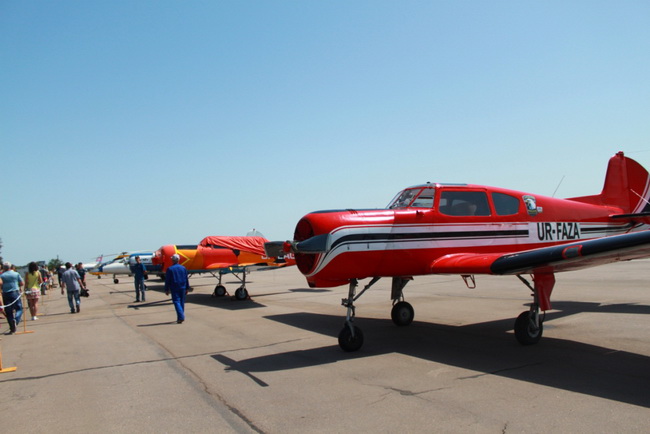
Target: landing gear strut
(402, 313)
(351, 336)
(529, 326)
(241, 293)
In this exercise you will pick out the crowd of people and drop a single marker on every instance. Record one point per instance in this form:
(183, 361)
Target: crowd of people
(38, 280)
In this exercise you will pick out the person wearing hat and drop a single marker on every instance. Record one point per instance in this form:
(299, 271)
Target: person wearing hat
(177, 282)
(11, 282)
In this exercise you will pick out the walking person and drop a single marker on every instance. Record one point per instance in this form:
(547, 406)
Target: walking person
(139, 274)
(59, 273)
(71, 281)
(176, 282)
(11, 283)
(33, 282)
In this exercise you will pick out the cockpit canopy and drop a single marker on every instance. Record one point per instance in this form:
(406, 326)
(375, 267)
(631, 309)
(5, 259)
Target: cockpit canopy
(457, 200)
(414, 197)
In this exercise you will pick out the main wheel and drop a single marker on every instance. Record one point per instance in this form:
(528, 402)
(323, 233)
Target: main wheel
(402, 313)
(116, 281)
(350, 343)
(219, 291)
(525, 331)
(241, 293)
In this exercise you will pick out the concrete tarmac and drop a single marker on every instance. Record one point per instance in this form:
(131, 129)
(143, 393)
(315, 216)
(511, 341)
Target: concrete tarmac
(272, 363)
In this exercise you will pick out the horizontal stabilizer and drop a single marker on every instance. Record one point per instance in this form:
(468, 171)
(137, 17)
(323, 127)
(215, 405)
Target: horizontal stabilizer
(630, 216)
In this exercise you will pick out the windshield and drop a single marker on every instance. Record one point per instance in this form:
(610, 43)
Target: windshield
(419, 197)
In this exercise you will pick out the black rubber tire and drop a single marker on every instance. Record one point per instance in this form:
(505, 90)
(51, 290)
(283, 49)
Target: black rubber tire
(219, 291)
(241, 293)
(349, 343)
(524, 332)
(402, 313)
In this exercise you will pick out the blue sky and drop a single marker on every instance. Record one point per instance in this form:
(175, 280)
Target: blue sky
(127, 125)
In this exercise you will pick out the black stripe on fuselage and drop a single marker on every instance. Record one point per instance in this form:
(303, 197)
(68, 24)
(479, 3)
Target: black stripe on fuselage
(592, 229)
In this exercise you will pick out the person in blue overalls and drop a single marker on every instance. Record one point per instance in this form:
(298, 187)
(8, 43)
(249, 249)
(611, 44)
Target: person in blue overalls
(176, 282)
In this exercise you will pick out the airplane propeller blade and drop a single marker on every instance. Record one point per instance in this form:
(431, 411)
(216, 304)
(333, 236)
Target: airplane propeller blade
(313, 245)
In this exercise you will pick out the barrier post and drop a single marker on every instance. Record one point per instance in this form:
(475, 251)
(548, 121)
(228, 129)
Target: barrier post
(26, 302)
(3, 370)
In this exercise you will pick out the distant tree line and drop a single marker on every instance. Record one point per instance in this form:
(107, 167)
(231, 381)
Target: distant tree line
(52, 265)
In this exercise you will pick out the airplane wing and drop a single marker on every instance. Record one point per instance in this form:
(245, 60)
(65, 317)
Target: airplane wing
(565, 257)
(217, 265)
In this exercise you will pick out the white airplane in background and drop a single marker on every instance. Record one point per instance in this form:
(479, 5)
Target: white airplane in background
(120, 264)
(90, 265)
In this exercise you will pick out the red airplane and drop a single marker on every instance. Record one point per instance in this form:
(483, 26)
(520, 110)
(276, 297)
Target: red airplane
(473, 229)
(222, 255)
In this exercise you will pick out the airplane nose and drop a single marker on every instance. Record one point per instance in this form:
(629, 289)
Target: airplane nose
(304, 231)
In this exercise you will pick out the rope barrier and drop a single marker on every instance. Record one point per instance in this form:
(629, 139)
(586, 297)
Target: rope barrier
(22, 295)
(16, 300)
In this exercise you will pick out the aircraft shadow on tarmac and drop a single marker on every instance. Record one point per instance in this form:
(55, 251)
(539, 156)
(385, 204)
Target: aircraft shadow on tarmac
(202, 295)
(225, 302)
(487, 348)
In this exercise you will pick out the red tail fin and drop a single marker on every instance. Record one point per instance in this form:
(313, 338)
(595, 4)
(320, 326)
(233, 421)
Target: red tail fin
(626, 186)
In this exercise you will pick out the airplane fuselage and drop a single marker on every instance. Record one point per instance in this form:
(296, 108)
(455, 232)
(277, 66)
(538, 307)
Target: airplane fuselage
(435, 220)
(206, 257)
(472, 229)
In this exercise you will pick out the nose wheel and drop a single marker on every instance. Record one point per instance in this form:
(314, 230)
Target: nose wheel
(350, 338)
(402, 314)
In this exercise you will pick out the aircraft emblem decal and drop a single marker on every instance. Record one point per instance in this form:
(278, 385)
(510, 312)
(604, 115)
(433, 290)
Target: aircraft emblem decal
(531, 205)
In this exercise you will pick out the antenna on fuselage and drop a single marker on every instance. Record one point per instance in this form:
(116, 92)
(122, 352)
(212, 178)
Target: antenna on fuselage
(558, 186)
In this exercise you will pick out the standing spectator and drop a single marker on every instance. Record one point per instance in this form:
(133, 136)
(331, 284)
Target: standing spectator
(33, 281)
(176, 282)
(11, 283)
(82, 273)
(139, 273)
(44, 278)
(50, 278)
(71, 281)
